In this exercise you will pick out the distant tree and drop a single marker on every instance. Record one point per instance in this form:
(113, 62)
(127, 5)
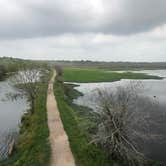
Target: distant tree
(59, 70)
(59, 74)
(2, 71)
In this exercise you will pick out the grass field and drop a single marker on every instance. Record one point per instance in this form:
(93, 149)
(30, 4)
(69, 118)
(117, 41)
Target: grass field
(100, 75)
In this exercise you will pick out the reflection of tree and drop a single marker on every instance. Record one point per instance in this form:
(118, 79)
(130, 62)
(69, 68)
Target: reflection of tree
(7, 141)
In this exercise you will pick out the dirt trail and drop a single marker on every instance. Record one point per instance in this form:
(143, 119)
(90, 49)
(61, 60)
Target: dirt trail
(61, 152)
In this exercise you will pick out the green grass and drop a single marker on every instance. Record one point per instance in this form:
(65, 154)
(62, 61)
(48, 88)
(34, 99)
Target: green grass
(33, 147)
(99, 75)
(85, 154)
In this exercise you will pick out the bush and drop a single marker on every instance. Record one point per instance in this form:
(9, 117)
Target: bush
(124, 118)
(2, 71)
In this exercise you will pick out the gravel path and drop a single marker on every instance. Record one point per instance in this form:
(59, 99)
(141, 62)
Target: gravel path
(61, 152)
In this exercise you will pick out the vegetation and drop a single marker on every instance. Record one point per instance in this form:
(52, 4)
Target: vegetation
(100, 75)
(28, 82)
(124, 121)
(72, 116)
(59, 74)
(11, 65)
(2, 71)
(33, 147)
(112, 65)
(80, 123)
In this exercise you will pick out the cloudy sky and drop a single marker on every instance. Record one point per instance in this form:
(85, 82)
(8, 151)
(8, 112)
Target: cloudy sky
(102, 30)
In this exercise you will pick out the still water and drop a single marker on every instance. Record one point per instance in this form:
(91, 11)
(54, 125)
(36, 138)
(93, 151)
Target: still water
(155, 89)
(10, 111)
(151, 88)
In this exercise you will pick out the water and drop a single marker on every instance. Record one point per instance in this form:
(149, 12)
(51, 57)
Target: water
(152, 88)
(10, 111)
(155, 89)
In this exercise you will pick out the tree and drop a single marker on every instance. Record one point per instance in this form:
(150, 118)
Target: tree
(59, 70)
(59, 74)
(124, 118)
(28, 82)
(2, 71)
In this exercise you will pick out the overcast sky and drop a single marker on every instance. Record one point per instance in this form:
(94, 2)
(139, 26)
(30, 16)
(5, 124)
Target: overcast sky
(102, 30)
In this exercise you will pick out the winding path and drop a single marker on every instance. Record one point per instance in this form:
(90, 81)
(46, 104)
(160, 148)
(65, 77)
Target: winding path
(61, 152)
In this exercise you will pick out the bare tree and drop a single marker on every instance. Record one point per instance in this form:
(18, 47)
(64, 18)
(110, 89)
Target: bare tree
(124, 120)
(28, 83)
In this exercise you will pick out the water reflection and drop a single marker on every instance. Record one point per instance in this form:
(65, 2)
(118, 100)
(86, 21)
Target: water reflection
(10, 112)
(155, 89)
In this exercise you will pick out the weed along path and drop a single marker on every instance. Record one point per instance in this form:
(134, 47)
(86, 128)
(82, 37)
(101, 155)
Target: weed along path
(61, 152)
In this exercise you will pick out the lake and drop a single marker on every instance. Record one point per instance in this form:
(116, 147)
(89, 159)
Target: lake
(155, 89)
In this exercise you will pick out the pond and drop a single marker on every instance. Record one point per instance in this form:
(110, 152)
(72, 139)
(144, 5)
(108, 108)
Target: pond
(155, 89)
(10, 111)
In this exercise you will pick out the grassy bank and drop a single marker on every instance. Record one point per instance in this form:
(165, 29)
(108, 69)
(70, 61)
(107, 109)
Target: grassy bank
(100, 75)
(75, 123)
(33, 147)
(79, 123)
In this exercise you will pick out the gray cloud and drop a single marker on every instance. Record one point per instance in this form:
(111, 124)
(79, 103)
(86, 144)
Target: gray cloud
(140, 16)
(109, 30)
(21, 18)
(100, 47)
